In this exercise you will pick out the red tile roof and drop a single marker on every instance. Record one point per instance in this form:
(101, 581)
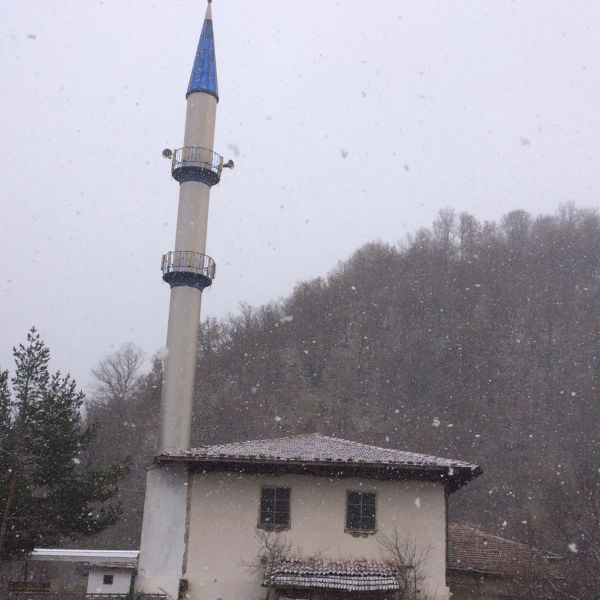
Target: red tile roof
(351, 576)
(475, 551)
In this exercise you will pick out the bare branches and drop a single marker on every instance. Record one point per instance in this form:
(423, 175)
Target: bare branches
(580, 521)
(408, 561)
(273, 549)
(116, 375)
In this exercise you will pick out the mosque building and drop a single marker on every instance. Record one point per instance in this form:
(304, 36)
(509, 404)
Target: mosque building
(306, 516)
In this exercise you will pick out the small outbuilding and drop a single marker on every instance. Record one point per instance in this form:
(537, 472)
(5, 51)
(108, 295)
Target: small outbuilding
(95, 571)
(482, 565)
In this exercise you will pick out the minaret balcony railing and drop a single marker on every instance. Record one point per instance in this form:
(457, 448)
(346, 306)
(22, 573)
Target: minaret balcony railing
(187, 268)
(193, 163)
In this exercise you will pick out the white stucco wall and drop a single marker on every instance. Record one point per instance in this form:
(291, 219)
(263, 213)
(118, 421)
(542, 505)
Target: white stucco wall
(120, 585)
(224, 515)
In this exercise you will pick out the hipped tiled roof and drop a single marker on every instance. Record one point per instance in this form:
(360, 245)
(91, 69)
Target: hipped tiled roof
(315, 448)
(351, 576)
(475, 551)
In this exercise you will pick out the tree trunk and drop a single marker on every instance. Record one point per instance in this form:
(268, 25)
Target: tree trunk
(7, 508)
(12, 490)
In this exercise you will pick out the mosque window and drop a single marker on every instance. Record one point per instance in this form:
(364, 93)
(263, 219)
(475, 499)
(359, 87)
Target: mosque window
(360, 512)
(275, 508)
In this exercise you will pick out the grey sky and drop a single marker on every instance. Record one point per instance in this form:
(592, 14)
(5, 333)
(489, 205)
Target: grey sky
(348, 122)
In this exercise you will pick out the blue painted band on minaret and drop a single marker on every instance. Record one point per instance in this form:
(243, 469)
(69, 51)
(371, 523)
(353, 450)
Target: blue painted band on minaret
(204, 71)
(196, 173)
(183, 278)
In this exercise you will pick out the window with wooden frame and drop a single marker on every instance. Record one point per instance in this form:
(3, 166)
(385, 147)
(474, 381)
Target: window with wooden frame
(360, 512)
(274, 508)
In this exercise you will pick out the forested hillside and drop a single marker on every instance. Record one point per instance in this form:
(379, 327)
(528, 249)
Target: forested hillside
(478, 341)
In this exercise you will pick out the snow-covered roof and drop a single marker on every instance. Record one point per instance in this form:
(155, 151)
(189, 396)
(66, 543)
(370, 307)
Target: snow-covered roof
(350, 575)
(475, 551)
(107, 558)
(315, 447)
(316, 450)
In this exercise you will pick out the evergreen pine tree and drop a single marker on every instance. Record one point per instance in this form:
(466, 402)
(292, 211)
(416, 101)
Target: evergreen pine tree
(46, 493)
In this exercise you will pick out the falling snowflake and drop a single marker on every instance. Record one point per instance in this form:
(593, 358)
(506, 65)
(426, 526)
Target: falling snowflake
(418, 502)
(573, 547)
(436, 422)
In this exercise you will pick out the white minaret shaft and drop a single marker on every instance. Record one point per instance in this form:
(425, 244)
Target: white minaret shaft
(188, 271)
(184, 310)
(197, 168)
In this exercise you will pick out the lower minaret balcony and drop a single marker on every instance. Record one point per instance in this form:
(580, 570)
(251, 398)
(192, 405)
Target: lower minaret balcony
(193, 163)
(187, 268)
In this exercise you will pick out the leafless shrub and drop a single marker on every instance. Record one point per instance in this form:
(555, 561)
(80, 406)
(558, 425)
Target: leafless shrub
(273, 549)
(408, 560)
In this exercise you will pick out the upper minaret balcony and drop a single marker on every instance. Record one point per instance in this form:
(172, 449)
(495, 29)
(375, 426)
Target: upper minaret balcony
(193, 163)
(188, 268)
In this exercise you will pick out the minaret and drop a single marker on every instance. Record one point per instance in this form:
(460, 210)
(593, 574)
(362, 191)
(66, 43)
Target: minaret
(188, 270)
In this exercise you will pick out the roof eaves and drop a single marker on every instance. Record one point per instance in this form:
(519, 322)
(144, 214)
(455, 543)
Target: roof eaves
(461, 474)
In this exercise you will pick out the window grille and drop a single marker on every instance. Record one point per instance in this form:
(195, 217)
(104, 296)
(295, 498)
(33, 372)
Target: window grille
(275, 507)
(360, 511)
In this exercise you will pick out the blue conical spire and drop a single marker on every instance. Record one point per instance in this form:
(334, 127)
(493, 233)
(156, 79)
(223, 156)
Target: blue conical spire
(204, 71)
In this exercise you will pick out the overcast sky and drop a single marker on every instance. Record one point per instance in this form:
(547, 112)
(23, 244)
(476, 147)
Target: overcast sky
(348, 122)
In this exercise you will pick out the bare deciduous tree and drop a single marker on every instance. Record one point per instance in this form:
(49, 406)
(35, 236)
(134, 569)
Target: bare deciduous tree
(273, 550)
(117, 374)
(579, 525)
(408, 560)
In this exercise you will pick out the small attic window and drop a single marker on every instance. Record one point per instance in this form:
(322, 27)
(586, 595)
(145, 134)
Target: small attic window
(274, 508)
(107, 579)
